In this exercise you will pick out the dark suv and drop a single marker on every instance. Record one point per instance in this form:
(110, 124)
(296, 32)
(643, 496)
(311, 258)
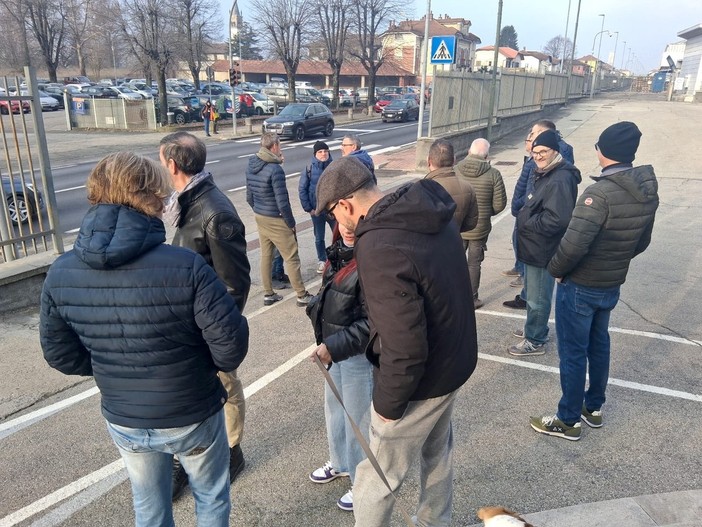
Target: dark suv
(298, 120)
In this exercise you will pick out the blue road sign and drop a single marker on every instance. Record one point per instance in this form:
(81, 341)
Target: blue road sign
(443, 49)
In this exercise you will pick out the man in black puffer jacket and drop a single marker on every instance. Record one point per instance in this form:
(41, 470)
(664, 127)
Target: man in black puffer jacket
(541, 223)
(153, 325)
(267, 194)
(208, 223)
(611, 224)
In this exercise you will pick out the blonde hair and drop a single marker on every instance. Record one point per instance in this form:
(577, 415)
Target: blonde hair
(125, 178)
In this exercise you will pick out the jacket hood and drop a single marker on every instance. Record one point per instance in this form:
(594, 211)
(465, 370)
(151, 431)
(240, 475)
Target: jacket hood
(261, 159)
(112, 235)
(640, 182)
(561, 166)
(422, 207)
(472, 167)
(321, 165)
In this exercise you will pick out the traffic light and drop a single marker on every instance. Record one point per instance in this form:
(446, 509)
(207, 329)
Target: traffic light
(234, 74)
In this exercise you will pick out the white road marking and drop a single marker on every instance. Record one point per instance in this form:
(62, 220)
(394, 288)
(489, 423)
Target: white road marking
(69, 189)
(213, 161)
(72, 231)
(287, 176)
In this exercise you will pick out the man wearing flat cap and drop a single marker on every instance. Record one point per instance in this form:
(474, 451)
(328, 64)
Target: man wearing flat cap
(423, 342)
(611, 224)
(541, 223)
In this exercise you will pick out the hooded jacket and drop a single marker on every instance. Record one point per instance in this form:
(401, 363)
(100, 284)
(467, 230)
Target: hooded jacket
(414, 277)
(611, 224)
(210, 225)
(151, 322)
(462, 192)
(544, 218)
(266, 191)
(307, 188)
(366, 159)
(489, 190)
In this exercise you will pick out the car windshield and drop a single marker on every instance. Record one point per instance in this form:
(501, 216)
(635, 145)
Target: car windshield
(44, 94)
(293, 110)
(387, 97)
(258, 97)
(125, 90)
(398, 103)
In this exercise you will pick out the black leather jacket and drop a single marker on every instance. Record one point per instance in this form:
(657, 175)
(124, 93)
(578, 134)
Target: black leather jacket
(210, 226)
(338, 312)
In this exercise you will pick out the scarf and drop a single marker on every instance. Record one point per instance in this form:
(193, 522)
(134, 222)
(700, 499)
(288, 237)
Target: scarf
(171, 212)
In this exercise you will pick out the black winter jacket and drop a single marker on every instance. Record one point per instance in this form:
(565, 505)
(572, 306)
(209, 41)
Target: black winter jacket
(338, 312)
(415, 281)
(151, 322)
(611, 224)
(544, 218)
(210, 225)
(266, 191)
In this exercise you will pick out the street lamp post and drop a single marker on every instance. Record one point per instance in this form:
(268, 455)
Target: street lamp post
(565, 38)
(572, 53)
(597, 58)
(614, 55)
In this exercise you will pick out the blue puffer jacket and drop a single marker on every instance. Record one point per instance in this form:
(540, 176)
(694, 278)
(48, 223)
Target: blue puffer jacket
(525, 183)
(151, 322)
(366, 159)
(266, 191)
(308, 183)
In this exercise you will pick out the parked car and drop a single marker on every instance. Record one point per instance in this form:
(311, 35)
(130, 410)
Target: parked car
(215, 89)
(128, 94)
(298, 120)
(401, 110)
(278, 94)
(183, 111)
(384, 100)
(26, 201)
(97, 92)
(262, 104)
(348, 97)
(412, 95)
(78, 80)
(362, 94)
(47, 101)
(106, 82)
(142, 89)
(16, 107)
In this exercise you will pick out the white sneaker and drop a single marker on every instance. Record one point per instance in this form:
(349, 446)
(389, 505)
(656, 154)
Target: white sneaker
(320, 267)
(326, 473)
(345, 503)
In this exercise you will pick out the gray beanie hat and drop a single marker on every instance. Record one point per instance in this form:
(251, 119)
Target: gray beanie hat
(339, 180)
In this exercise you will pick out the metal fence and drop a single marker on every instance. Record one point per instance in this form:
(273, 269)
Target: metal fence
(462, 100)
(113, 114)
(28, 220)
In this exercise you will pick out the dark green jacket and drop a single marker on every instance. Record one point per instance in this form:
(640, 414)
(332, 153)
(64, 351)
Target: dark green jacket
(612, 222)
(489, 192)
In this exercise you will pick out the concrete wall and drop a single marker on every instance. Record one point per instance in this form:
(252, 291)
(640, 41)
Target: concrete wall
(21, 281)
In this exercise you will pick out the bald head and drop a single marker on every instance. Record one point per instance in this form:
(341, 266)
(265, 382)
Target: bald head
(479, 148)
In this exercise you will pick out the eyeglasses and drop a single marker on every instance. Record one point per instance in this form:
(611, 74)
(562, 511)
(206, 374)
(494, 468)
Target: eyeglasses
(348, 144)
(541, 153)
(330, 212)
(597, 146)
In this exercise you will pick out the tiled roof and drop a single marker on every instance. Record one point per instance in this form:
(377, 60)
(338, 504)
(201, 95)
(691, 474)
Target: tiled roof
(507, 52)
(536, 54)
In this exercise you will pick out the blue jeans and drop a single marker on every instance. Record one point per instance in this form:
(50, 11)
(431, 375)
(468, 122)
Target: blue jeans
(207, 126)
(278, 271)
(203, 451)
(353, 378)
(582, 322)
(319, 224)
(538, 284)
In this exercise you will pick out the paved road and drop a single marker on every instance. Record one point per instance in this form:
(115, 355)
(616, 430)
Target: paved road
(61, 469)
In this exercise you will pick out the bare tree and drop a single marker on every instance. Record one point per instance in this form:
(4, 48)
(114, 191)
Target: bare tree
(78, 18)
(197, 27)
(147, 28)
(334, 22)
(282, 28)
(554, 47)
(370, 17)
(16, 11)
(47, 20)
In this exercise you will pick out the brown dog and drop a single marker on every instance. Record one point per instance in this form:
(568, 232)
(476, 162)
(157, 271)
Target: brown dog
(501, 517)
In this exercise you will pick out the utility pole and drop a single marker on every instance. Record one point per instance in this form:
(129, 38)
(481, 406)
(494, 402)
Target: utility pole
(597, 58)
(423, 69)
(493, 89)
(565, 38)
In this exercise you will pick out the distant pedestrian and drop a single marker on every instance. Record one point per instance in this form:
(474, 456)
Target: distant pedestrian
(153, 325)
(340, 322)
(208, 223)
(207, 114)
(611, 224)
(267, 194)
(423, 340)
(541, 223)
(489, 188)
(351, 146)
(307, 189)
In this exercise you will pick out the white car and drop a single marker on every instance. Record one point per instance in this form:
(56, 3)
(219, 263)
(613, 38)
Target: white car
(262, 104)
(46, 100)
(126, 93)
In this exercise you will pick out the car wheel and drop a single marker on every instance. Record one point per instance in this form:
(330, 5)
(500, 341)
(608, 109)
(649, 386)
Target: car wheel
(299, 133)
(18, 210)
(417, 117)
(259, 111)
(180, 118)
(3, 110)
(385, 120)
(329, 129)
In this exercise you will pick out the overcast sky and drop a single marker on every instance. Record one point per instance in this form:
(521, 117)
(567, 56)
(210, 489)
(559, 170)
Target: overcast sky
(646, 26)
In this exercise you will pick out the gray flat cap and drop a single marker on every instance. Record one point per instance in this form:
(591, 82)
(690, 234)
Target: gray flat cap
(339, 180)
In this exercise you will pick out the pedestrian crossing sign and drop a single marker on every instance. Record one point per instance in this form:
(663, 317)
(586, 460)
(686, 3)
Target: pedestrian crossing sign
(443, 50)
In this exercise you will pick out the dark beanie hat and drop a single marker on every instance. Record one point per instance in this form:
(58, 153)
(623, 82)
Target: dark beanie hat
(620, 142)
(319, 145)
(547, 138)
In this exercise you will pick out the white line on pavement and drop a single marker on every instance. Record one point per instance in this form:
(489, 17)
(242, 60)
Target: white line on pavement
(72, 231)
(69, 189)
(213, 161)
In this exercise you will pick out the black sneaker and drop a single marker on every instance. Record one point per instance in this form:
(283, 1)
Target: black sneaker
(282, 278)
(269, 300)
(180, 480)
(277, 284)
(236, 462)
(303, 300)
(517, 303)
